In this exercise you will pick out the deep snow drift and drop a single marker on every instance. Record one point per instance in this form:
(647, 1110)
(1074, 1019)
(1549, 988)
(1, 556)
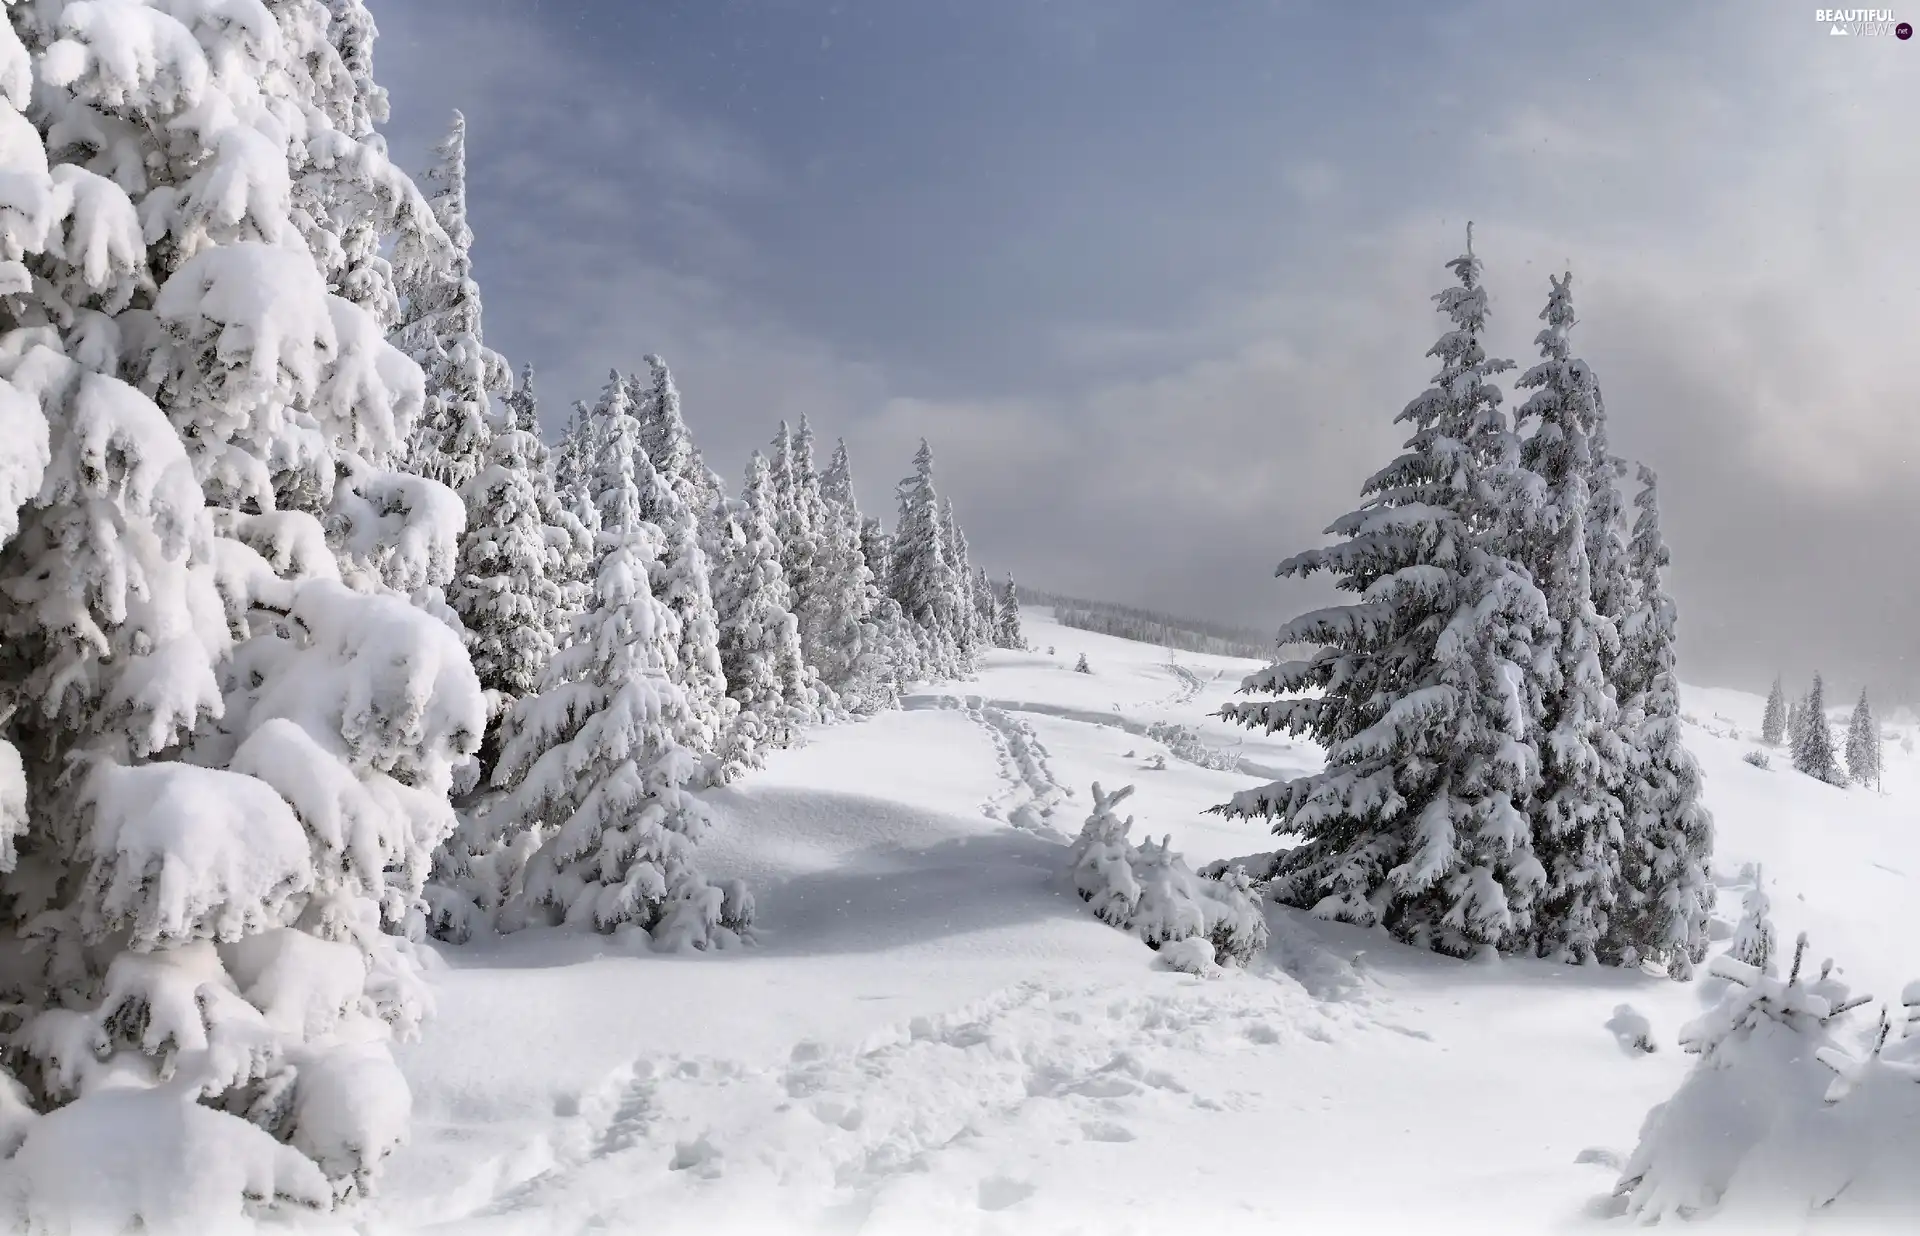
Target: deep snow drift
(934, 1035)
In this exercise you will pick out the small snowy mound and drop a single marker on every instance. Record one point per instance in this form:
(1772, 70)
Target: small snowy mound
(1634, 1032)
(153, 1161)
(1150, 891)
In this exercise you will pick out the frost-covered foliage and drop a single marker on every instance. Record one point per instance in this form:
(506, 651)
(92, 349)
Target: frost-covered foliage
(1007, 634)
(227, 743)
(599, 762)
(1421, 690)
(1758, 759)
(1578, 820)
(923, 577)
(505, 587)
(1773, 723)
(1863, 744)
(1754, 941)
(1785, 1116)
(968, 635)
(1666, 893)
(759, 635)
(857, 659)
(1813, 752)
(1186, 744)
(1149, 890)
(675, 497)
(441, 330)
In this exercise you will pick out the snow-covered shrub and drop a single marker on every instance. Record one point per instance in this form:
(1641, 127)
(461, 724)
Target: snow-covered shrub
(1758, 759)
(1186, 744)
(1150, 891)
(1754, 942)
(1158, 763)
(1779, 1117)
(1081, 666)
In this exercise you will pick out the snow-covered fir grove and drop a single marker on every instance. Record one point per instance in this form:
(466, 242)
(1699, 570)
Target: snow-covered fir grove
(425, 810)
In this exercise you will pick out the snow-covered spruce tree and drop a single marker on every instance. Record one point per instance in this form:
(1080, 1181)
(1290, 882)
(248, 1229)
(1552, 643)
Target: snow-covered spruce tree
(1773, 722)
(1009, 634)
(1081, 666)
(1150, 891)
(1863, 744)
(1417, 822)
(231, 765)
(1813, 752)
(759, 636)
(441, 330)
(508, 591)
(670, 445)
(986, 607)
(681, 576)
(877, 548)
(922, 577)
(795, 497)
(1796, 723)
(505, 589)
(1577, 816)
(600, 761)
(1754, 940)
(967, 633)
(854, 659)
(1668, 844)
(570, 545)
(1607, 536)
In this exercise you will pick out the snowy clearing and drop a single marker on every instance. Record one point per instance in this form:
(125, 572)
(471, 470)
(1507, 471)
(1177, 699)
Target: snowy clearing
(932, 1036)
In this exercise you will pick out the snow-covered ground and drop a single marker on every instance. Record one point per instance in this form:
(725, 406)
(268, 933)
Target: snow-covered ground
(931, 1036)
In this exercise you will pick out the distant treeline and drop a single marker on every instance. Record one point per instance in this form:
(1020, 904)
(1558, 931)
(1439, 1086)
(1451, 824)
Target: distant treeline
(1151, 627)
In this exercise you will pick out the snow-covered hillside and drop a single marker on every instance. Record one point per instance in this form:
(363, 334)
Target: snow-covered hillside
(931, 1035)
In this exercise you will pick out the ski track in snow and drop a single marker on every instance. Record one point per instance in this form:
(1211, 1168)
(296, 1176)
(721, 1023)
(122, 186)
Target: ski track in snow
(906, 1123)
(1027, 793)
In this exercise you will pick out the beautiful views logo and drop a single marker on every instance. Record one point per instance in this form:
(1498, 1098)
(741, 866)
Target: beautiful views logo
(1868, 23)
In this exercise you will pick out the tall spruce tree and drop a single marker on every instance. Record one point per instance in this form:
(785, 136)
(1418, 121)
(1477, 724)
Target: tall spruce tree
(766, 672)
(1813, 752)
(1421, 686)
(1576, 810)
(853, 657)
(1608, 533)
(504, 587)
(669, 444)
(1863, 744)
(1668, 846)
(600, 763)
(1773, 722)
(1009, 634)
(922, 578)
(441, 330)
(227, 767)
(965, 621)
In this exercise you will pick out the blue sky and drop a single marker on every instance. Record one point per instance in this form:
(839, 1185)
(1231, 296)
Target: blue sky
(1153, 276)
